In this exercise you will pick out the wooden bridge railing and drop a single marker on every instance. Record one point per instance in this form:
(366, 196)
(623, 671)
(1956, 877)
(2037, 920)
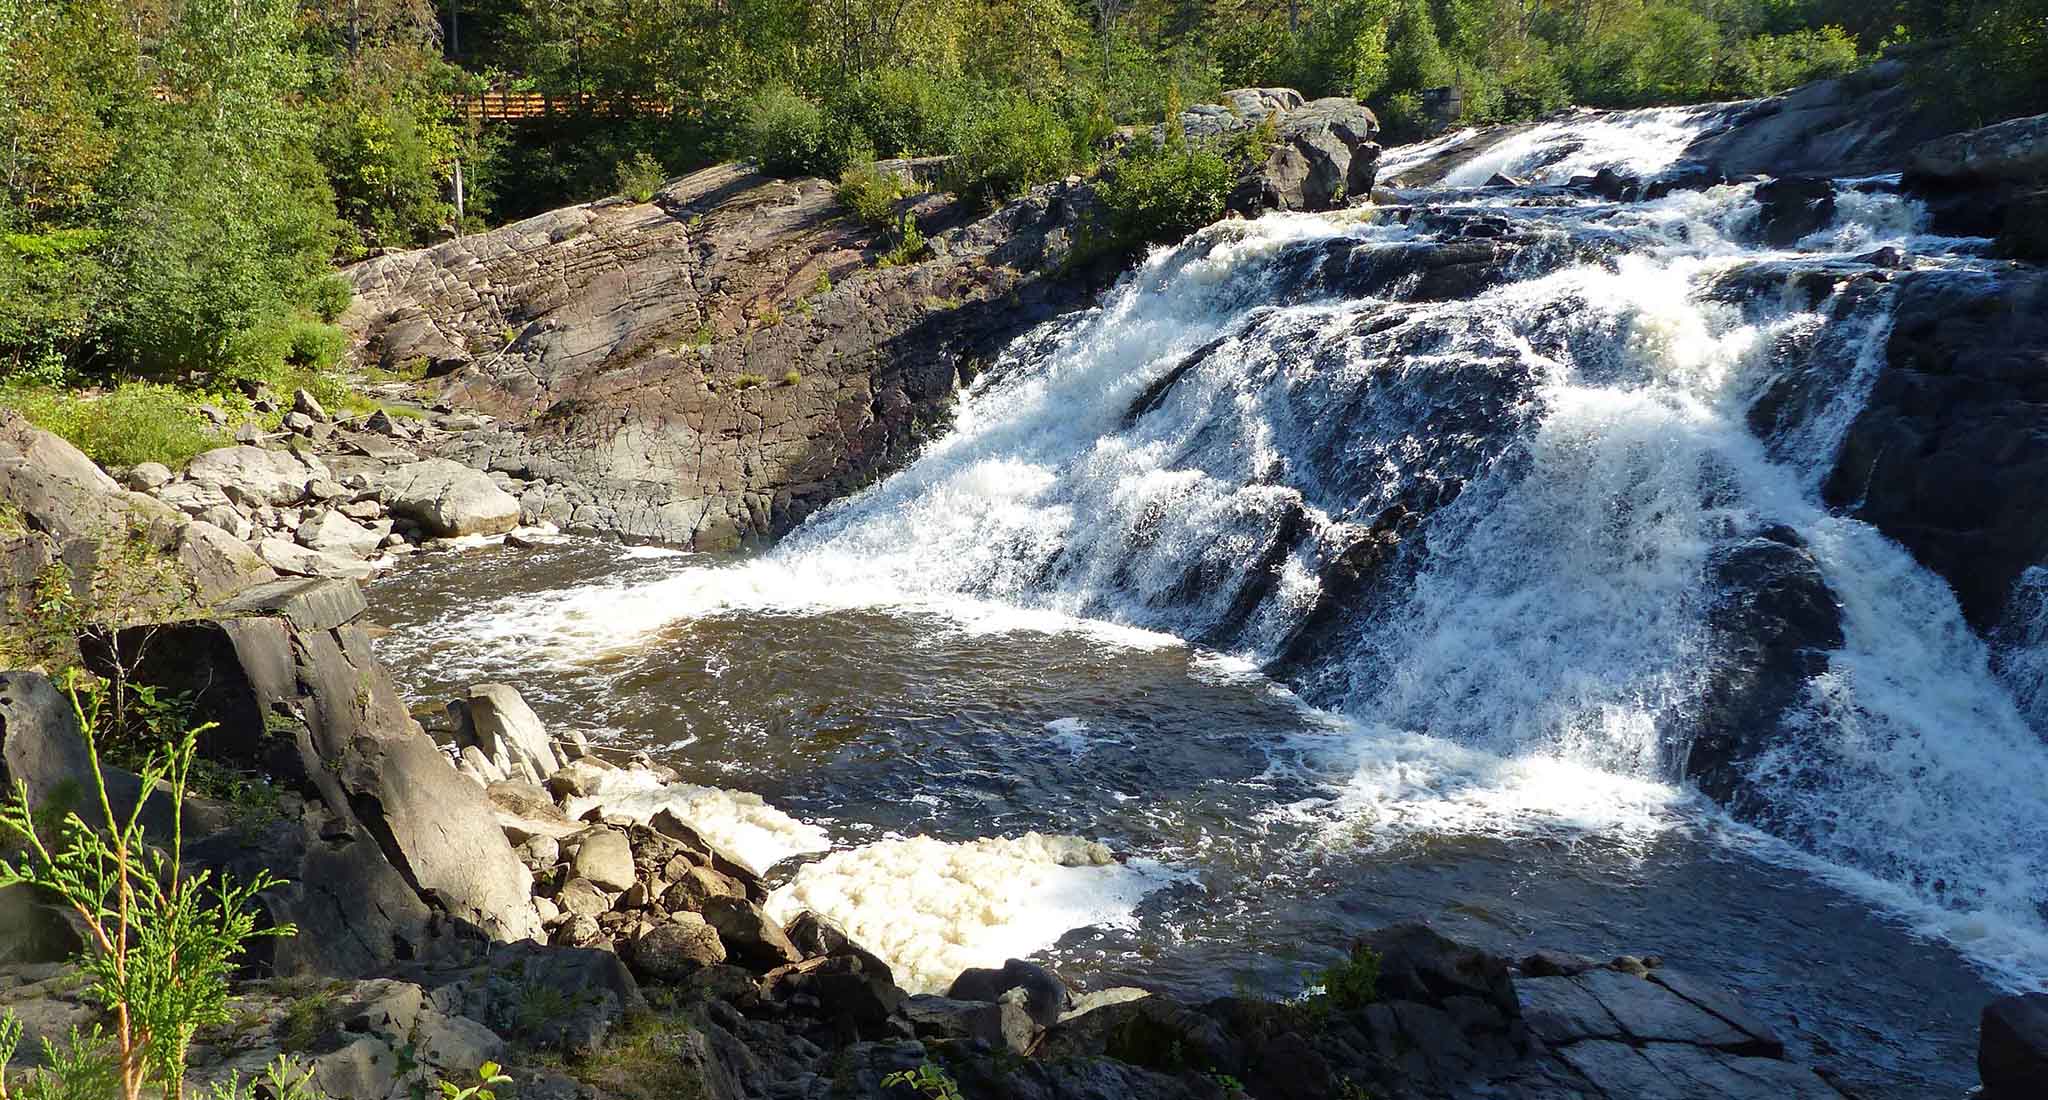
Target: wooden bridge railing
(506, 106)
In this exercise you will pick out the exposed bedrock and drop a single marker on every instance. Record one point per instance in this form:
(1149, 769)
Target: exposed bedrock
(718, 363)
(1950, 454)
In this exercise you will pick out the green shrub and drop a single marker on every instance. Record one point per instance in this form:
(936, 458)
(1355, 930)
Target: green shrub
(904, 113)
(313, 345)
(1354, 982)
(871, 194)
(136, 422)
(163, 939)
(784, 132)
(1770, 63)
(910, 244)
(1158, 192)
(48, 283)
(329, 296)
(1008, 146)
(641, 177)
(793, 378)
(748, 381)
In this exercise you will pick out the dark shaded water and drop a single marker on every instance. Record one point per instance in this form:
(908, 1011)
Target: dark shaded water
(926, 722)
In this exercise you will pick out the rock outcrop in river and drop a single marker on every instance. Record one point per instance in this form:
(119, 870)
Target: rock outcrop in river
(718, 363)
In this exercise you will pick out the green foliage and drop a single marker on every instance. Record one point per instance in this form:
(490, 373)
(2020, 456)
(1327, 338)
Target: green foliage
(871, 194)
(82, 1067)
(1354, 982)
(162, 940)
(910, 245)
(283, 1079)
(1771, 63)
(49, 285)
(784, 132)
(1006, 146)
(927, 1082)
(133, 423)
(329, 296)
(641, 177)
(902, 112)
(488, 1078)
(1158, 192)
(793, 378)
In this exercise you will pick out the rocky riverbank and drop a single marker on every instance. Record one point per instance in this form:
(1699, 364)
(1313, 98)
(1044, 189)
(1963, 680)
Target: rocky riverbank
(489, 898)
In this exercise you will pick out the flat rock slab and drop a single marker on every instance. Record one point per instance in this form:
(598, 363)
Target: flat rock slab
(1677, 1071)
(306, 603)
(290, 557)
(1649, 1012)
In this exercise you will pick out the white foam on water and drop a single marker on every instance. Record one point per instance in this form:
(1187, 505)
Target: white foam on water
(1402, 158)
(1639, 143)
(744, 826)
(1071, 734)
(931, 909)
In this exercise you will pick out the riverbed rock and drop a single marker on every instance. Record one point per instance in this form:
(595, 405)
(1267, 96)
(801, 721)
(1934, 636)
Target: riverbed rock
(448, 499)
(301, 561)
(333, 533)
(628, 399)
(2014, 150)
(254, 476)
(495, 719)
(1949, 453)
(2012, 1050)
(1044, 996)
(1792, 207)
(751, 936)
(1004, 1025)
(145, 476)
(385, 825)
(676, 948)
(219, 564)
(606, 860)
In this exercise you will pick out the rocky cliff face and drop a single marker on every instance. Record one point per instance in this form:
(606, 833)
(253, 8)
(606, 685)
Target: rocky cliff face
(718, 363)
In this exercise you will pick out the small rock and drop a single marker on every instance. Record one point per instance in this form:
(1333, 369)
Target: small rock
(307, 405)
(1629, 964)
(548, 910)
(578, 930)
(146, 476)
(543, 850)
(299, 561)
(298, 423)
(606, 859)
(579, 897)
(677, 948)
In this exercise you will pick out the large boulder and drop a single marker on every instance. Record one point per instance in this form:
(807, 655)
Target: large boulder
(219, 563)
(330, 532)
(255, 476)
(494, 719)
(673, 951)
(2012, 151)
(447, 498)
(1949, 454)
(1044, 997)
(1322, 152)
(297, 694)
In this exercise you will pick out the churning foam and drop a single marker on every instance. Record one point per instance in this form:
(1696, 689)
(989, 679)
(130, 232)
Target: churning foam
(931, 909)
(1640, 143)
(742, 825)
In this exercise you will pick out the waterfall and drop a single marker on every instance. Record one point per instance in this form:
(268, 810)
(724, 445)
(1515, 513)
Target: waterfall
(1522, 497)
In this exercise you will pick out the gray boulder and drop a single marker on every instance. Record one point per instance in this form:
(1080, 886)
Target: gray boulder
(301, 561)
(496, 720)
(674, 950)
(257, 476)
(146, 476)
(219, 563)
(751, 936)
(2015, 151)
(1322, 153)
(606, 859)
(1004, 1026)
(448, 499)
(333, 533)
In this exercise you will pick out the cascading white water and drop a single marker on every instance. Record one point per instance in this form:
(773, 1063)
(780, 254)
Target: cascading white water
(1188, 458)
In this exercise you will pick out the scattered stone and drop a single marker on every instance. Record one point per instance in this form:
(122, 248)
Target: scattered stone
(299, 561)
(751, 936)
(672, 951)
(696, 886)
(145, 476)
(606, 860)
(257, 476)
(334, 533)
(305, 404)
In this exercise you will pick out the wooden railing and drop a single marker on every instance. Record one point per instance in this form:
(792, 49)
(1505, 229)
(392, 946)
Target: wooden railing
(506, 106)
